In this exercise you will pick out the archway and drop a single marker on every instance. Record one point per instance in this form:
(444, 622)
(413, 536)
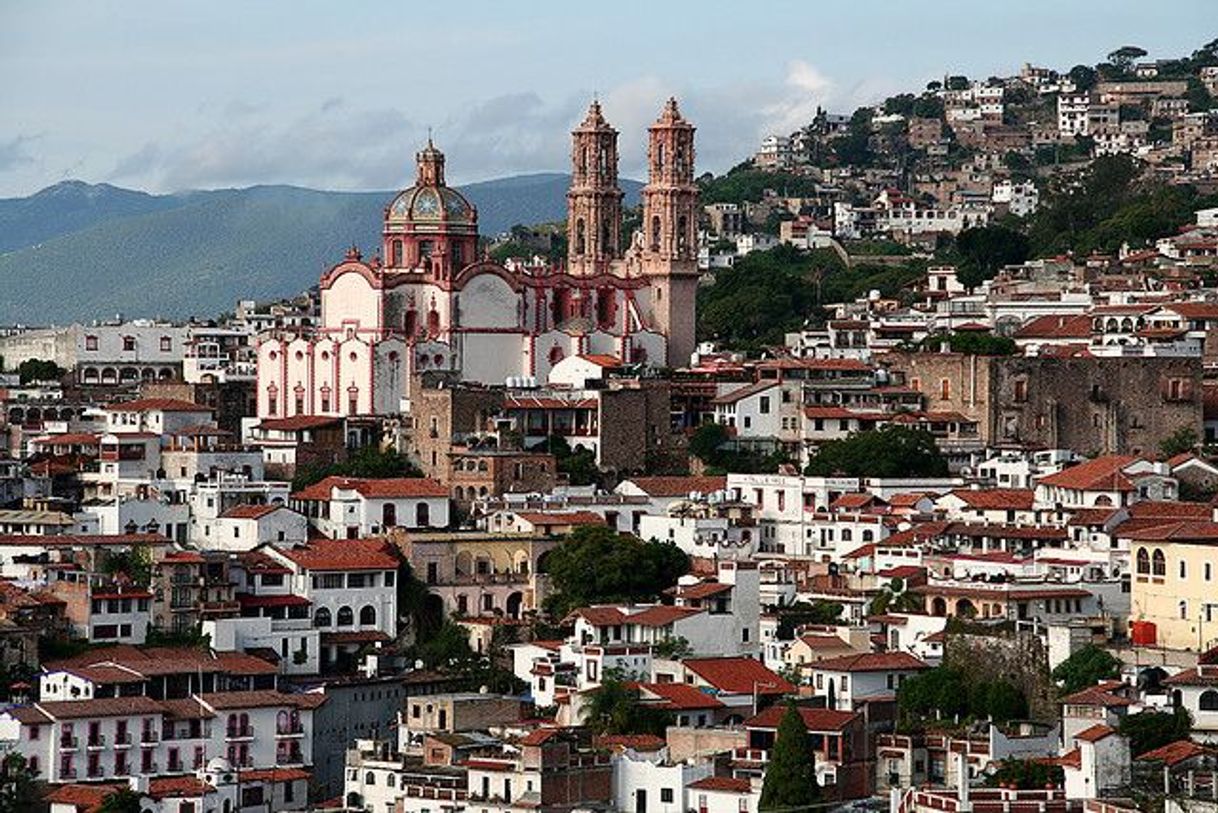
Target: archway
(965, 609)
(938, 606)
(514, 603)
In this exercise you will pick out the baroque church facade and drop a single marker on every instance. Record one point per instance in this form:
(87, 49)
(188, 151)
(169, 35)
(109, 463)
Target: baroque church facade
(430, 302)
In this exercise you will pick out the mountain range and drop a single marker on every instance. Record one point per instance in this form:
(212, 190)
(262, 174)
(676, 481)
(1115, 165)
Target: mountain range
(78, 252)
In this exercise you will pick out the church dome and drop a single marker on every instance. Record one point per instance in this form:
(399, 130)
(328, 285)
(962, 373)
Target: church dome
(430, 201)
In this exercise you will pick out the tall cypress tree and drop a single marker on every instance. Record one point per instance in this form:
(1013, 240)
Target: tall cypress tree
(790, 776)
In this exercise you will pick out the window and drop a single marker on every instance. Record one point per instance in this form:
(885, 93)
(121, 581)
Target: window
(1021, 391)
(1158, 564)
(367, 615)
(166, 344)
(1183, 569)
(1183, 610)
(765, 405)
(1208, 569)
(666, 795)
(321, 618)
(945, 389)
(328, 581)
(1208, 700)
(346, 617)
(1143, 563)
(90, 342)
(129, 344)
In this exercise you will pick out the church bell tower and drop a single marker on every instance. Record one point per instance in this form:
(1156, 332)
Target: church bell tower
(670, 251)
(594, 201)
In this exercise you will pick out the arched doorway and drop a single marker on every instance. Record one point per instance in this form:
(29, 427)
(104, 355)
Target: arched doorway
(938, 606)
(514, 602)
(965, 609)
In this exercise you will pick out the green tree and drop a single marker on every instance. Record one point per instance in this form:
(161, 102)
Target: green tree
(1181, 441)
(802, 612)
(1124, 56)
(597, 565)
(18, 785)
(790, 777)
(705, 442)
(1084, 77)
(1086, 667)
(615, 708)
(578, 464)
(123, 800)
(1149, 730)
(446, 647)
(1026, 774)
(39, 370)
(676, 648)
(893, 451)
(986, 249)
(371, 462)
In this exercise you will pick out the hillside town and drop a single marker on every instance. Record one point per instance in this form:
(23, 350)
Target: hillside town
(567, 520)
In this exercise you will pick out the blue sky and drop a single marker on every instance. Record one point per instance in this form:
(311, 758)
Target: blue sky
(171, 95)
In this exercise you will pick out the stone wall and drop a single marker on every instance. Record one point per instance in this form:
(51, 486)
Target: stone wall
(1020, 658)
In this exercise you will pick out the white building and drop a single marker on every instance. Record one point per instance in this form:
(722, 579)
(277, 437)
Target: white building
(349, 507)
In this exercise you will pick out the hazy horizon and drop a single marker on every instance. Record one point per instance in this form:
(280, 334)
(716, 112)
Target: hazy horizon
(167, 98)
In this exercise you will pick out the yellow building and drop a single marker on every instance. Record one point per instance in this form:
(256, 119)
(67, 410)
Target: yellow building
(1175, 583)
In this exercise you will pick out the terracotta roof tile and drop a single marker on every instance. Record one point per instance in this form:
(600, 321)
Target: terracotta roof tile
(1101, 474)
(738, 675)
(728, 784)
(1095, 733)
(871, 662)
(678, 486)
(387, 488)
(680, 696)
(342, 554)
(1177, 752)
(816, 719)
(995, 499)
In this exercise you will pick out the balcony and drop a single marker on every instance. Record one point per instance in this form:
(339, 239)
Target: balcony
(176, 766)
(123, 770)
(149, 738)
(289, 730)
(246, 733)
(294, 757)
(95, 773)
(122, 740)
(67, 773)
(68, 743)
(96, 743)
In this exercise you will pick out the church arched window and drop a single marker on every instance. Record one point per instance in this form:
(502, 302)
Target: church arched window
(682, 241)
(410, 322)
(396, 261)
(660, 157)
(583, 160)
(606, 248)
(580, 236)
(433, 322)
(655, 233)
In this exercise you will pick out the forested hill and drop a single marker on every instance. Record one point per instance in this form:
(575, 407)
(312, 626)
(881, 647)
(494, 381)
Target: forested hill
(78, 251)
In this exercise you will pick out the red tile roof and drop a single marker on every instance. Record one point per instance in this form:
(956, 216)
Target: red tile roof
(729, 784)
(661, 615)
(1101, 694)
(1056, 326)
(817, 720)
(298, 422)
(738, 675)
(274, 775)
(251, 511)
(680, 696)
(288, 600)
(1177, 752)
(1101, 474)
(265, 698)
(872, 662)
(101, 707)
(385, 489)
(1095, 733)
(995, 499)
(158, 405)
(545, 519)
(635, 742)
(736, 395)
(85, 798)
(174, 787)
(602, 360)
(342, 554)
(678, 486)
